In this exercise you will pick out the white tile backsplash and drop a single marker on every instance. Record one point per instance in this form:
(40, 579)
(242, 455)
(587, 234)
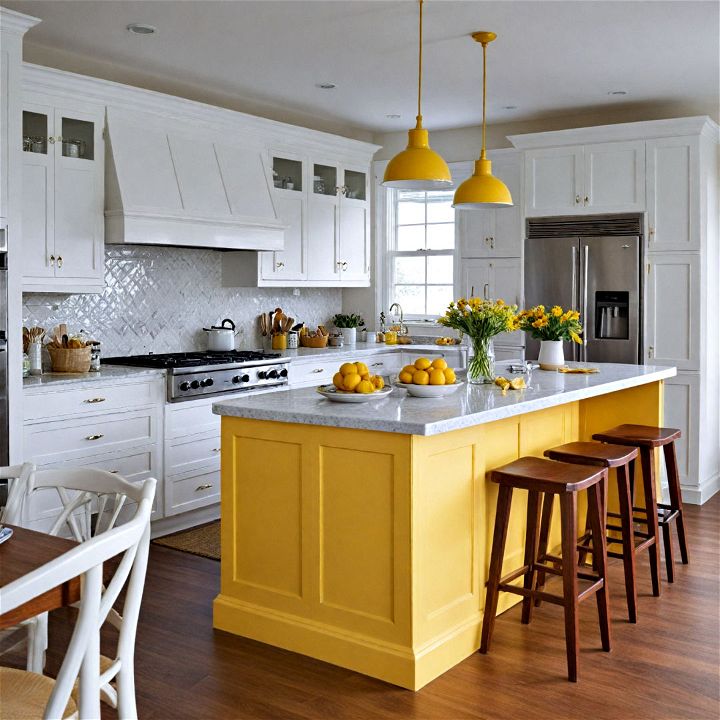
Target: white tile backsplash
(159, 299)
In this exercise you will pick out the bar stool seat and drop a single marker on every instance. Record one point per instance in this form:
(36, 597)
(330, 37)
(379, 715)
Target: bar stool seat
(539, 476)
(607, 456)
(647, 438)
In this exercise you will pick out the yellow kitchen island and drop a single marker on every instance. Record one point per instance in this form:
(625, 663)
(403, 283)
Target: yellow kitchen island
(360, 534)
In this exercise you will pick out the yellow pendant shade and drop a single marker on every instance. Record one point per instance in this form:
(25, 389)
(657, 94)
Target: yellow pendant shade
(481, 189)
(418, 166)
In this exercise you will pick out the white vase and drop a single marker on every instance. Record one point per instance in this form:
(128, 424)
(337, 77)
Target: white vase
(349, 335)
(551, 354)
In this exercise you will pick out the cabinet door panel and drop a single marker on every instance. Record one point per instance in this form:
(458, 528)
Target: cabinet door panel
(615, 176)
(505, 279)
(553, 181)
(507, 233)
(475, 229)
(672, 166)
(682, 411)
(353, 242)
(37, 215)
(475, 279)
(322, 236)
(672, 320)
(288, 264)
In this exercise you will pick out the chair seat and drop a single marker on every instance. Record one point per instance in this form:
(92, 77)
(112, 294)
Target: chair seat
(533, 473)
(25, 695)
(593, 453)
(638, 435)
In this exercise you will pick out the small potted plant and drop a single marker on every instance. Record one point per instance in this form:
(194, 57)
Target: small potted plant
(348, 325)
(551, 328)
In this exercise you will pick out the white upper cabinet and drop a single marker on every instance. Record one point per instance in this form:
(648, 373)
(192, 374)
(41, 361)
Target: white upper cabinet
(576, 180)
(63, 249)
(291, 262)
(496, 232)
(672, 194)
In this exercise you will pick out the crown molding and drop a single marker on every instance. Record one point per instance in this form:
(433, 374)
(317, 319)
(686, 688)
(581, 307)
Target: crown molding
(15, 22)
(644, 130)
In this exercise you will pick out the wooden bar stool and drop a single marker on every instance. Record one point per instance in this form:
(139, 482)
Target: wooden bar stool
(538, 476)
(647, 438)
(607, 456)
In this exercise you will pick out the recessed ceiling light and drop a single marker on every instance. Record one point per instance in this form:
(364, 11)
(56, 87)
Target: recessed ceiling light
(618, 92)
(326, 85)
(393, 116)
(141, 29)
(510, 107)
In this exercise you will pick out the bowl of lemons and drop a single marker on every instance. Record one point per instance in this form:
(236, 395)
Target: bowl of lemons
(428, 379)
(353, 383)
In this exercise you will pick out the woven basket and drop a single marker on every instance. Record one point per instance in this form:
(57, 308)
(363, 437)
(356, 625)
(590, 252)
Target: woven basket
(319, 341)
(70, 360)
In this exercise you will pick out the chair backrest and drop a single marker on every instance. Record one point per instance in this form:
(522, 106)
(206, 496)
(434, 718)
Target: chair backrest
(131, 539)
(18, 477)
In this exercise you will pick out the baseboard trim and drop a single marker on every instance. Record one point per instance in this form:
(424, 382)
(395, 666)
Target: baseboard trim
(700, 494)
(184, 521)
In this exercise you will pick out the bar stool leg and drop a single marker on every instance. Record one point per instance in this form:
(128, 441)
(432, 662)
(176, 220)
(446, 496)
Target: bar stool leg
(596, 516)
(648, 473)
(568, 515)
(676, 496)
(547, 510)
(502, 519)
(532, 538)
(628, 540)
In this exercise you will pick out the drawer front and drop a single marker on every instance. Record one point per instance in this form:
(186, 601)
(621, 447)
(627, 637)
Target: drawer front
(52, 442)
(191, 490)
(191, 418)
(315, 373)
(92, 400)
(134, 466)
(186, 454)
(383, 364)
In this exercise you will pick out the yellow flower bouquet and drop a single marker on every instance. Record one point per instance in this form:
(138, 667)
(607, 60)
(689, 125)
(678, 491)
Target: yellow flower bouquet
(556, 324)
(480, 320)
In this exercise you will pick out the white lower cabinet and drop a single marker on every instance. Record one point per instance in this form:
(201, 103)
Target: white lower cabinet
(682, 411)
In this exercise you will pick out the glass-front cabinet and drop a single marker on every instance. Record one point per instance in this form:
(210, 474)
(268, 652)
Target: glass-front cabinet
(63, 186)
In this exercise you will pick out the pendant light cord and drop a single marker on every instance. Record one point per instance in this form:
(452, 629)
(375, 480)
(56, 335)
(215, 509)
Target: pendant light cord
(482, 151)
(420, 61)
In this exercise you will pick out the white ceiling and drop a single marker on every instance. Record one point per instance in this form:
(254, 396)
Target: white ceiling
(551, 58)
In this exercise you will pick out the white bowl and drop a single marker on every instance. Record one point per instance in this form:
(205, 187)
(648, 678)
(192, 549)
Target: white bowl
(332, 393)
(430, 391)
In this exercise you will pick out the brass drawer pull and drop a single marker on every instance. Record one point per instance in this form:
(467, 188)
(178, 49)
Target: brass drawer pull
(92, 401)
(378, 364)
(216, 450)
(94, 437)
(114, 472)
(318, 370)
(203, 487)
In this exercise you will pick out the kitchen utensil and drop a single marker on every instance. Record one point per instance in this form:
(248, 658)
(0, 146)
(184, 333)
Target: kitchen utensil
(331, 393)
(292, 340)
(297, 326)
(430, 391)
(221, 338)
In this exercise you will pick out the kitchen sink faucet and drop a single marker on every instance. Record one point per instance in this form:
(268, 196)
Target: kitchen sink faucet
(403, 328)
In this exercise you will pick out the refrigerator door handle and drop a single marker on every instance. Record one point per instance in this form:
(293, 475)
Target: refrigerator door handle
(586, 265)
(575, 349)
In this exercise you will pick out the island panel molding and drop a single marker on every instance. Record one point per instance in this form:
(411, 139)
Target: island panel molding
(370, 549)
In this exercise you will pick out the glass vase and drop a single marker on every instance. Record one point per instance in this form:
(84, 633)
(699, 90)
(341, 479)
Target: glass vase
(481, 366)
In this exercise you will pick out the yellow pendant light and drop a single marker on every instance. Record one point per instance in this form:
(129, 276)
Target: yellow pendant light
(481, 189)
(418, 167)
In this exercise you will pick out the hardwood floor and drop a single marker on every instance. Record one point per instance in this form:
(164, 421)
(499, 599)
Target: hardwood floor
(665, 667)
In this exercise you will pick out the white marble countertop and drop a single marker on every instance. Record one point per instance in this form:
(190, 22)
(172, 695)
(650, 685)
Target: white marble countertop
(470, 405)
(360, 349)
(108, 373)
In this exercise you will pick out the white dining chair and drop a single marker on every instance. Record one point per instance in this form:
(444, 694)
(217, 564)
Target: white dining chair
(27, 695)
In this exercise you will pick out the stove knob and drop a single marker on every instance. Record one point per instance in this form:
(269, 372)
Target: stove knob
(262, 375)
(184, 386)
(194, 384)
(245, 378)
(237, 380)
(272, 375)
(207, 382)
(284, 372)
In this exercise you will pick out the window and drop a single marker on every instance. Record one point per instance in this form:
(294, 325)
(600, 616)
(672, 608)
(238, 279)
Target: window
(421, 252)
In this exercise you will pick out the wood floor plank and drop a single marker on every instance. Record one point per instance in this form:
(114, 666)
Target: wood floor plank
(663, 668)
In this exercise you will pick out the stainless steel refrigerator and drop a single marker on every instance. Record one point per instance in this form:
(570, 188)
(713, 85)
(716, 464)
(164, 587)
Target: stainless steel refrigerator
(592, 265)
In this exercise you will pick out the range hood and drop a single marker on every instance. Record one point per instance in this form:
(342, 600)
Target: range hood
(168, 183)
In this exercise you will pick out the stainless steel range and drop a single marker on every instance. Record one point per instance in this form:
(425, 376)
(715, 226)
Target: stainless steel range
(199, 374)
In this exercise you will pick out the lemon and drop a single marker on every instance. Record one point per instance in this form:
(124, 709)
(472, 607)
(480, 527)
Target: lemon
(439, 364)
(422, 364)
(437, 377)
(378, 381)
(351, 381)
(518, 384)
(409, 369)
(365, 387)
(406, 377)
(365, 376)
(348, 369)
(361, 369)
(338, 381)
(449, 374)
(421, 377)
